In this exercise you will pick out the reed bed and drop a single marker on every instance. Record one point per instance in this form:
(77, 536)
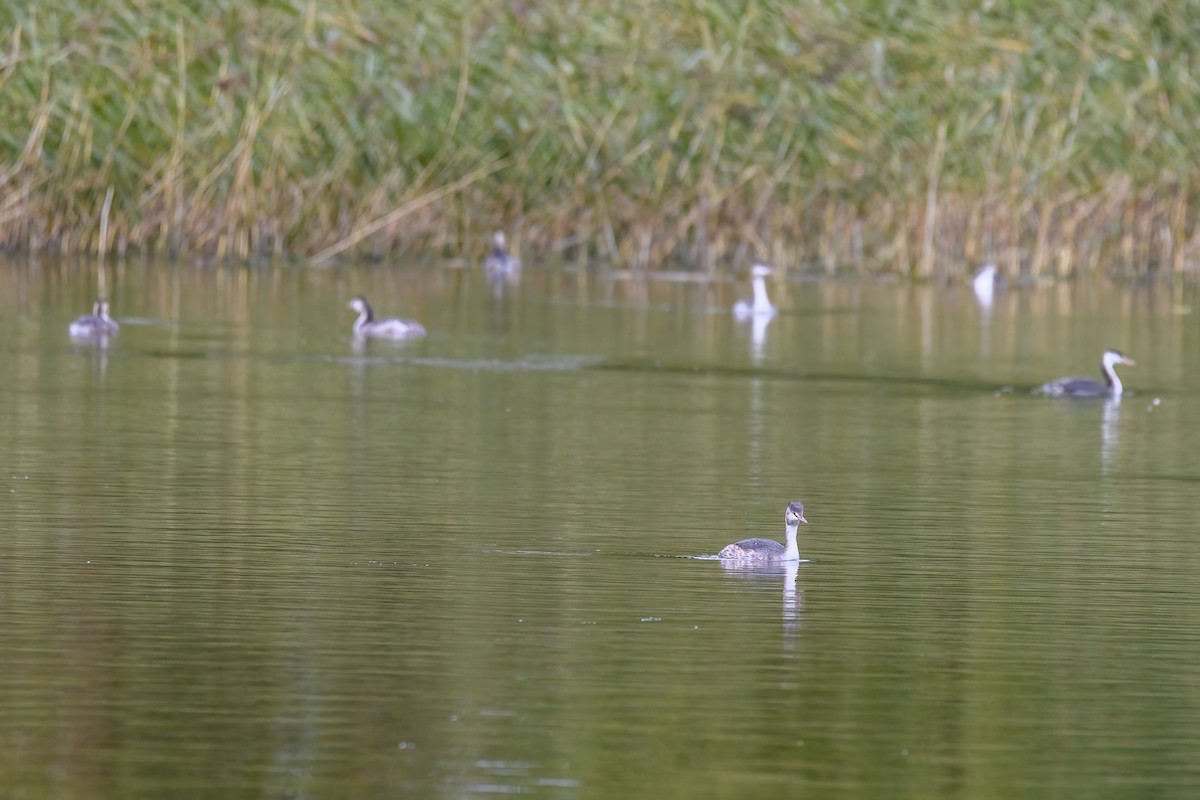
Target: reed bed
(919, 137)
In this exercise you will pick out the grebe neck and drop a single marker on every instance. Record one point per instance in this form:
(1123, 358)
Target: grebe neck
(1111, 380)
(791, 549)
(365, 316)
(761, 303)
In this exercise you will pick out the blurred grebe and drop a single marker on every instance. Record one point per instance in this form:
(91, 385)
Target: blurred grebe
(98, 323)
(768, 549)
(1086, 387)
(986, 283)
(367, 325)
(499, 263)
(746, 308)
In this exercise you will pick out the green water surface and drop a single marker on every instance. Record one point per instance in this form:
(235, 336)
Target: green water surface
(243, 556)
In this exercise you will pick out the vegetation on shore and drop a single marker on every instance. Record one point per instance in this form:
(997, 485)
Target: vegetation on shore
(920, 137)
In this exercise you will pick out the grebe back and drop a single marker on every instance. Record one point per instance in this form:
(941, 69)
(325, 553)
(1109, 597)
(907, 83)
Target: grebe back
(98, 323)
(499, 263)
(367, 325)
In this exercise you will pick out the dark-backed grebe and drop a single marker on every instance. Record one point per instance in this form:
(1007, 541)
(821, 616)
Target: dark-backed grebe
(1086, 387)
(499, 264)
(769, 549)
(760, 305)
(98, 323)
(367, 325)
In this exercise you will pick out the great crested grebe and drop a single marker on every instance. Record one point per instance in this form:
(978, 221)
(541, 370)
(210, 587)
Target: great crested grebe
(760, 305)
(769, 549)
(98, 323)
(1086, 387)
(499, 264)
(986, 283)
(367, 325)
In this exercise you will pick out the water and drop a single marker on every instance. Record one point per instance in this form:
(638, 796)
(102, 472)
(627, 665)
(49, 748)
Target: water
(242, 557)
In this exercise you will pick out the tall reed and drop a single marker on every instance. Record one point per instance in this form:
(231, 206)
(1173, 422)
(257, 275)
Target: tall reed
(918, 137)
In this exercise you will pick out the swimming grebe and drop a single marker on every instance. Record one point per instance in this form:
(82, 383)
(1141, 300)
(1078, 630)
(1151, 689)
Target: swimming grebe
(499, 263)
(367, 325)
(745, 308)
(1086, 387)
(768, 549)
(986, 283)
(98, 323)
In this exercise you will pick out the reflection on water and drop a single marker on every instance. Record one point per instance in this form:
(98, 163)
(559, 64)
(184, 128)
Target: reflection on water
(756, 425)
(505, 282)
(99, 341)
(95, 349)
(449, 568)
(785, 573)
(758, 336)
(1110, 415)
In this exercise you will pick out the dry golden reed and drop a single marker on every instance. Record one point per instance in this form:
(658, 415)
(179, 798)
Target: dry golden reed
(918, 137)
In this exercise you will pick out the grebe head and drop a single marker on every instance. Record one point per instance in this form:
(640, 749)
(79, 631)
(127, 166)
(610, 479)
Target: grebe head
(498, 240)
(760, 271)
(1114, 357)
(794, 514)
(360, 304)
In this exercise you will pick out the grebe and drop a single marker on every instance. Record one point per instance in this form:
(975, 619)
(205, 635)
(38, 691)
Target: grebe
(1086, 387)
(367, 325)
(499, 263)
(760, 305)
(986, 283)
(98, 323)
(768, 549)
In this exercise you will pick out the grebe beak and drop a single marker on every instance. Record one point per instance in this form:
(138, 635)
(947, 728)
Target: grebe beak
(1129, 362)
(802, 519)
